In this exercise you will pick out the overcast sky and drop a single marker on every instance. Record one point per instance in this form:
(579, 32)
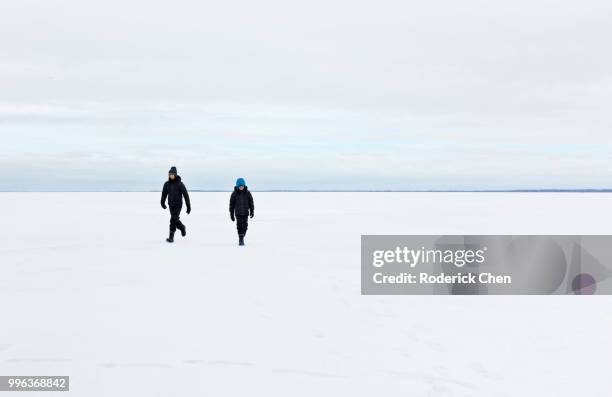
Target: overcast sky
(98, 95)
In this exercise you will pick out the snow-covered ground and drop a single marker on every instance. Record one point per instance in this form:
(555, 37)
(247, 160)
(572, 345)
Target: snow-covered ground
(90, 289)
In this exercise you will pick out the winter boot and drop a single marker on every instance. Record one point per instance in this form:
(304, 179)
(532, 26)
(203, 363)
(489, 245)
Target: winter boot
(183, 230)
(241, 239)
(171, 238)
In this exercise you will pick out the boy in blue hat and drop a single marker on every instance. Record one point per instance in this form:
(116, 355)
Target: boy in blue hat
(241, 207)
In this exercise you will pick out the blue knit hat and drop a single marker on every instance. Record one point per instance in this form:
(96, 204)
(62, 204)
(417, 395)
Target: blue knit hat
(240, 182)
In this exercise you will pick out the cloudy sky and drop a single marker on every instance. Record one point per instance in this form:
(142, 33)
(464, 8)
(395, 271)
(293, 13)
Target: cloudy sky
(107, 95)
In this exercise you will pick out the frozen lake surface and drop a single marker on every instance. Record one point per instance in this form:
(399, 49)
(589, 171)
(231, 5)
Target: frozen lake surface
(90, 289)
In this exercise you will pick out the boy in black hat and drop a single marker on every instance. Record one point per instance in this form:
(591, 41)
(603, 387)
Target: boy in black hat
(175, 190)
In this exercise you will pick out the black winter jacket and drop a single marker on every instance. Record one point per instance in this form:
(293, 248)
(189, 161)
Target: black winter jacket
(241, 202)
(175, 190)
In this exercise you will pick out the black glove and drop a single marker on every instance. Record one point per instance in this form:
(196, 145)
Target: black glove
(232, 217)
(188, 210)
(164, 206)
(252, 214)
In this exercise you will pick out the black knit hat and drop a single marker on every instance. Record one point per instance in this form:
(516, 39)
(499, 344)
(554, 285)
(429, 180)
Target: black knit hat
(172, 170)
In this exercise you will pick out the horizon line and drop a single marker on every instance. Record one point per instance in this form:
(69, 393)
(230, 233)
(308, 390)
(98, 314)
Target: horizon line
(544, 190)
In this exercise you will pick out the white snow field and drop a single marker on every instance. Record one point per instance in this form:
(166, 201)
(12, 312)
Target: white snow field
(90, 289)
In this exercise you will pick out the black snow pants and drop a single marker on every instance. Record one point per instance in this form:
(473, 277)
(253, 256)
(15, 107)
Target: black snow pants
(175, 219)
(242, 223)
